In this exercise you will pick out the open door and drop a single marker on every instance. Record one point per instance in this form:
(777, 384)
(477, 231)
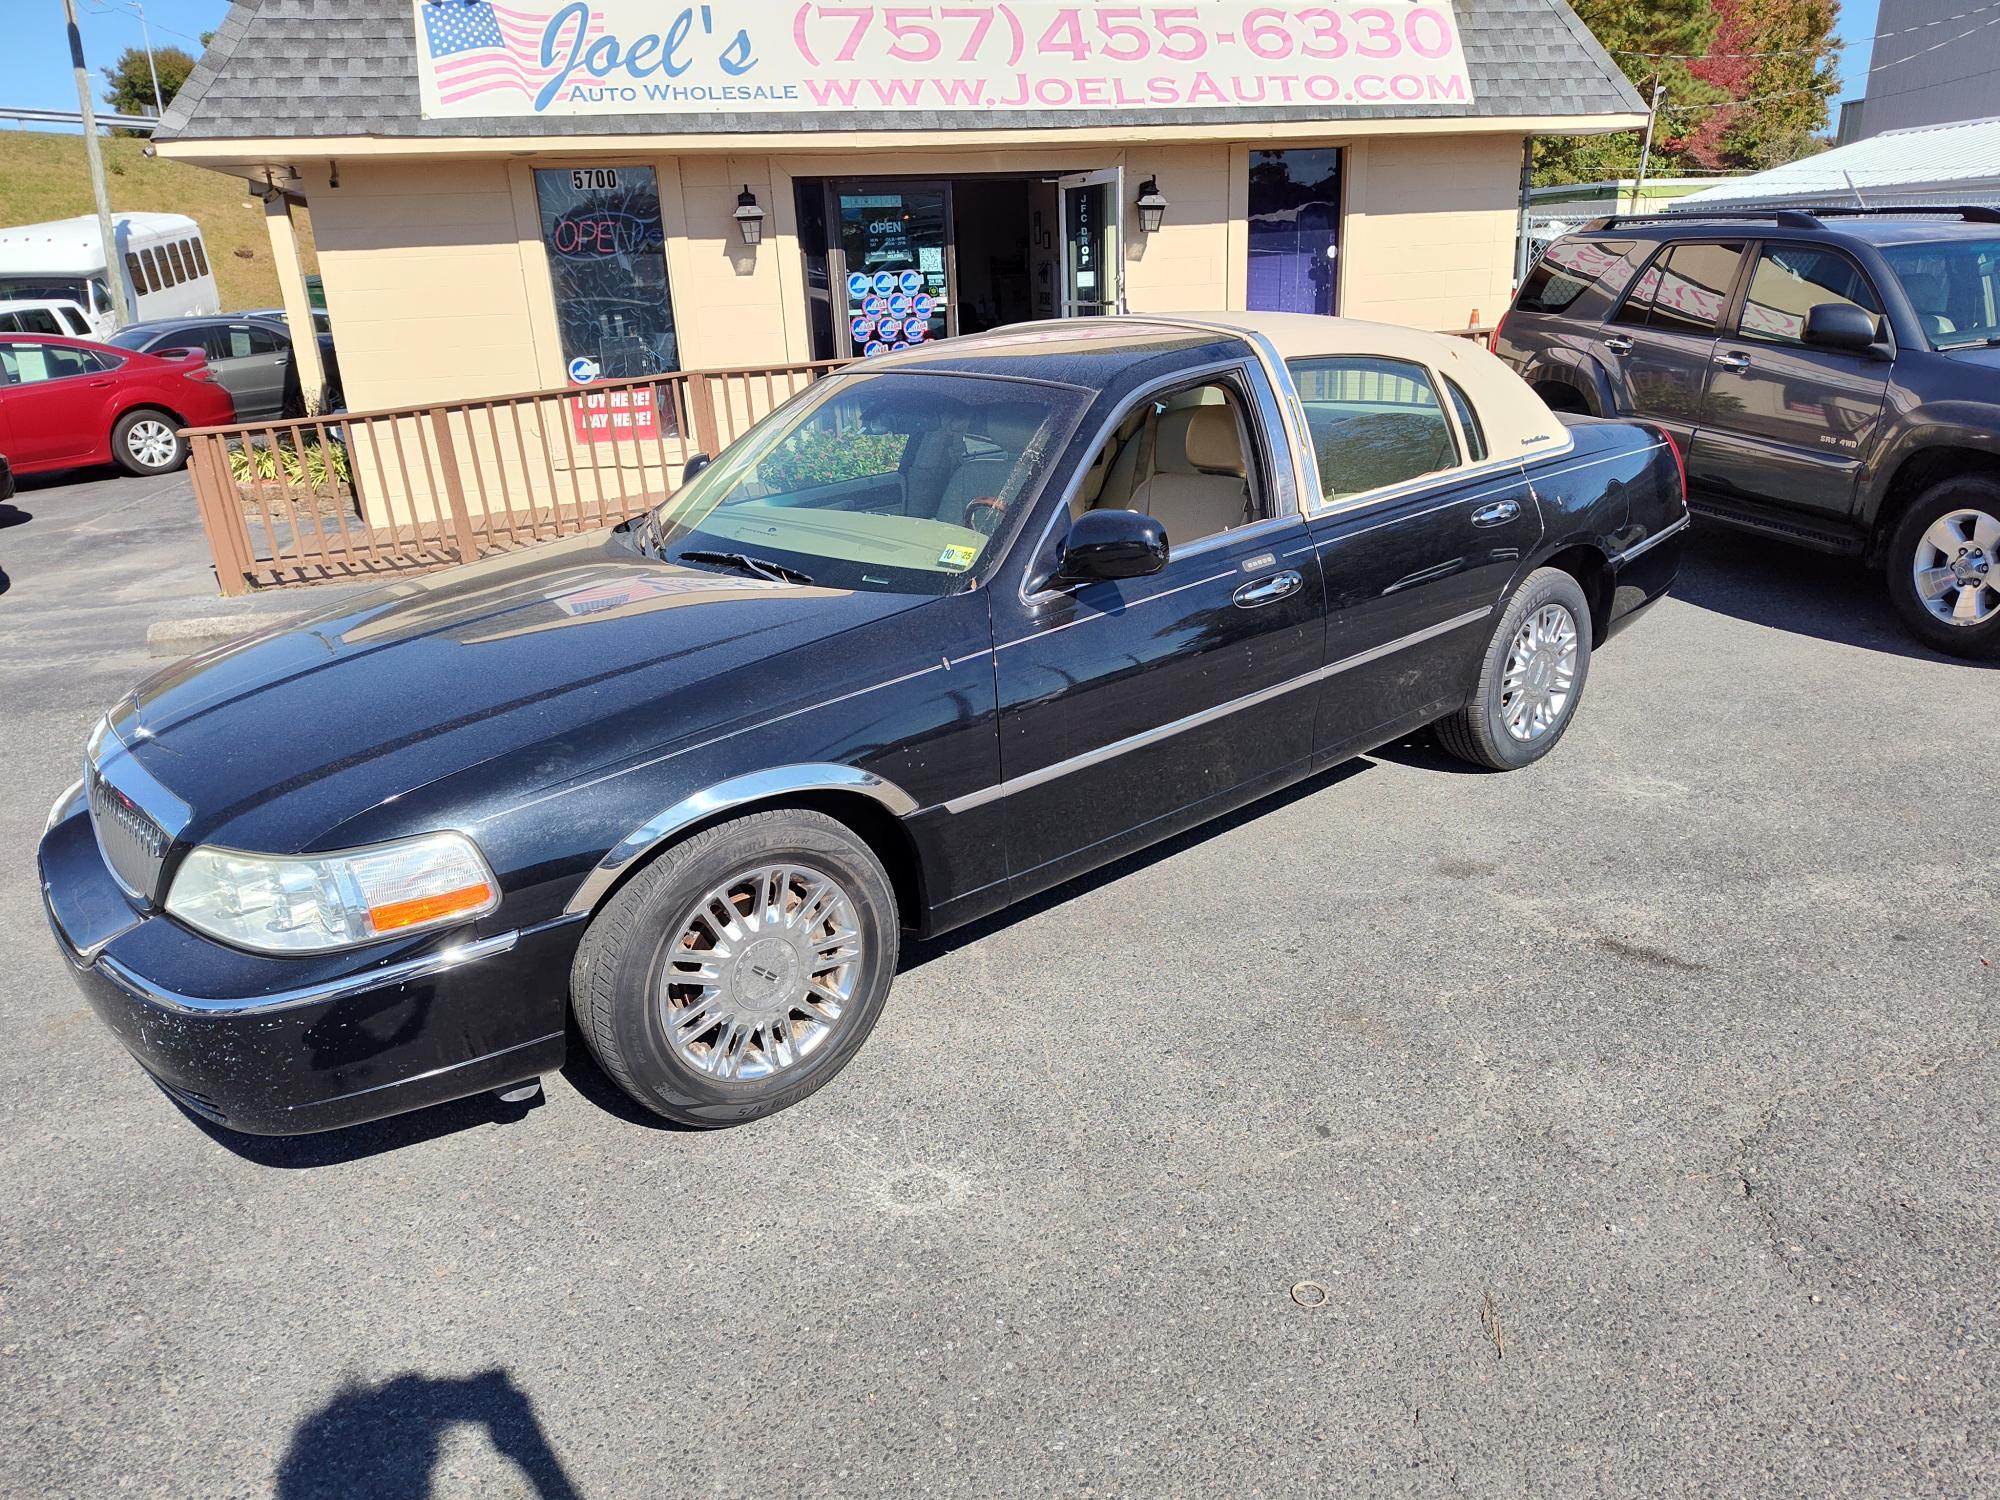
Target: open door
(1093, 268)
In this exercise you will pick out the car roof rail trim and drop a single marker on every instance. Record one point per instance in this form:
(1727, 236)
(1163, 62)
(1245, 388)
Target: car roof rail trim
(1802, 218)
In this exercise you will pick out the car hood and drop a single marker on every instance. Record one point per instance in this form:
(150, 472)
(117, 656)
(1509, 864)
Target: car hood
(366, 701)
(1987, 355)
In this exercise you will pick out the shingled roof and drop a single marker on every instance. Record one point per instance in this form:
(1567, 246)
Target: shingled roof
(303, 69)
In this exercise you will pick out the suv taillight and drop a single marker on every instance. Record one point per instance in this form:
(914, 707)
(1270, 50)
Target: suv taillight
(1493, 338)
(1679, 462)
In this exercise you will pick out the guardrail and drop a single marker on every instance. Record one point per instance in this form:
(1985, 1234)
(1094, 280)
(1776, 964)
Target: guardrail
(354, 495)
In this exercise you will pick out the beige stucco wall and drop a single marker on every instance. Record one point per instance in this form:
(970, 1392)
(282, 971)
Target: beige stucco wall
(1428, 233)
(439, 289)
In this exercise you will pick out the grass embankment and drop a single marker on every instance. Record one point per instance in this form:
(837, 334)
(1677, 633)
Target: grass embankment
(43, 175)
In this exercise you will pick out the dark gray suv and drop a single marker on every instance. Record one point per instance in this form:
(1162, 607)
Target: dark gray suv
(1830, 377)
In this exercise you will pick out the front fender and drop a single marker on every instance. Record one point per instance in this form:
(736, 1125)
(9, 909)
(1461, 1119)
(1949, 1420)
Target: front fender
(1973, 425)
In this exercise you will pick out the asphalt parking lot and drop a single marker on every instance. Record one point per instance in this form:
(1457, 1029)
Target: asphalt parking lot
(1625, 1126)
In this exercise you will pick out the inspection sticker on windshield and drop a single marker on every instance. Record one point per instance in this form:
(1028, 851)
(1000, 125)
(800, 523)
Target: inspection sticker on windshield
(958, 557)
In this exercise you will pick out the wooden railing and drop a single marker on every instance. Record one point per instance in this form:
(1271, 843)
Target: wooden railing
(360, 494)
(408, 489)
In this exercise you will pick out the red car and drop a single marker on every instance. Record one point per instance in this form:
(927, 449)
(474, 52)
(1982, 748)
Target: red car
(65, 403)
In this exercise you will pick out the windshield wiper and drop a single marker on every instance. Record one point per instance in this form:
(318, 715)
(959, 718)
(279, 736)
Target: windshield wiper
(760, 567)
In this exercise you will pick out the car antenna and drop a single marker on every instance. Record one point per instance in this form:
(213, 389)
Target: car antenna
(1860, 202)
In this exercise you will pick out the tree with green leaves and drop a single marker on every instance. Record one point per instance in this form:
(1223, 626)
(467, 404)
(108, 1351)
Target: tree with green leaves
(1651, 40)
(131, 80)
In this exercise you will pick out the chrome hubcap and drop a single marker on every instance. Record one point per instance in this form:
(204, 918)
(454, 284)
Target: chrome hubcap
(151, 443)
(1540, 674)
(761, 972)
(1955, 569)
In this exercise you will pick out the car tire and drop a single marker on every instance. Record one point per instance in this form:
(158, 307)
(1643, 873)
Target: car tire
(147, 441)
(1943, 567)
(1531, 677)
(801, 975)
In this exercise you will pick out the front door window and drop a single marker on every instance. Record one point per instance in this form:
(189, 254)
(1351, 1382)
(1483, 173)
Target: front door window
(1092, 274)
(894, 239)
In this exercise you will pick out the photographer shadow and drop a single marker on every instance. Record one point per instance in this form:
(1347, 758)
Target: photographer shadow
(385, 1440)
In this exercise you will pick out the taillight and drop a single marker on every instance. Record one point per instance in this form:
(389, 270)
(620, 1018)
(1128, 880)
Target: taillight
(1493, 338)
(1679, 462)
(200, 372)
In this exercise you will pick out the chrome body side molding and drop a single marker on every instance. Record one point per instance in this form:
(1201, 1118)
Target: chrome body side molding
(737, 791)
(1160, 732)
(1639, 549)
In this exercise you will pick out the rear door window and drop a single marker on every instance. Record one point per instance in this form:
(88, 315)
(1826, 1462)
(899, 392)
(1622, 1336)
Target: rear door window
(1567, 271)
(1694, 287)
(1468, 420)
(1374, 422)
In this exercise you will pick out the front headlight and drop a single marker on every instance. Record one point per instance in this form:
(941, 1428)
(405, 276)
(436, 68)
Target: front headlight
(307, 903)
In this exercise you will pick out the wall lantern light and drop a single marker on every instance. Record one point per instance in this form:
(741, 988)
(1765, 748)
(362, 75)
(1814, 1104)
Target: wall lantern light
(1152, 205)
(749, 217)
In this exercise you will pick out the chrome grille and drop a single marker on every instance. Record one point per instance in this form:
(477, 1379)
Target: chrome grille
(133, 845)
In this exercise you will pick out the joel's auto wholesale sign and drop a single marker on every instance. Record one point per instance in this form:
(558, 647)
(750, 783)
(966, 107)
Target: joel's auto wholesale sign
(478, 59)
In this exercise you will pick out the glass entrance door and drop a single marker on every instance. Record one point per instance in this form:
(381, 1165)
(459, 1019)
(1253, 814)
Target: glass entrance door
(895, 264)
(1093, 268)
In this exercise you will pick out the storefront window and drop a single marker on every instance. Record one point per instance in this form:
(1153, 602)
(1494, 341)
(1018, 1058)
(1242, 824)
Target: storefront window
(1294, 230)
(607, 260)
(892, 239)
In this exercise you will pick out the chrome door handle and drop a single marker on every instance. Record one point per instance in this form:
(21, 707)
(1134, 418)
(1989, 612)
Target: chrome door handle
(1267, 590)
(1617, 343)
(1497, 514)
(1733, 361)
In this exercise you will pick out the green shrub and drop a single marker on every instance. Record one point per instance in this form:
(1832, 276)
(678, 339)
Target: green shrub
(811, 457)
(318, 466)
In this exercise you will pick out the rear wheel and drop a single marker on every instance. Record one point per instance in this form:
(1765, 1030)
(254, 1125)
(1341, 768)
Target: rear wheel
(147, 442)
(1944, 567)
(1530, 678)
(740, 970)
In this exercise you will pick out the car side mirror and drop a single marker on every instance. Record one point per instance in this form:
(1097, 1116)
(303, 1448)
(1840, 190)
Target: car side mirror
(1112, 544)
(695, 464)
(1841, 326)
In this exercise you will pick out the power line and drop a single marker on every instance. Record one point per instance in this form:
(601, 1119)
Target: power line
(1977, 10)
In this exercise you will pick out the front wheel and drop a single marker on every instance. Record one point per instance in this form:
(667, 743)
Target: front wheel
(1529, 679)
(740, 970)
(147, 442)
(1944, 567)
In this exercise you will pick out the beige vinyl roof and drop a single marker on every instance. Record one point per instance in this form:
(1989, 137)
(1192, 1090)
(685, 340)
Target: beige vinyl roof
(1517, 423)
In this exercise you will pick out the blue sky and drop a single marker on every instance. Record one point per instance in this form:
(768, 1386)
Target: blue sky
(34, 68)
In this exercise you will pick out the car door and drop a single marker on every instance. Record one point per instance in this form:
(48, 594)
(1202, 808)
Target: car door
(1124, 704)
(53, 394)
(251, 364)
(1784, 423)
(1418, 536)
(1662, 336)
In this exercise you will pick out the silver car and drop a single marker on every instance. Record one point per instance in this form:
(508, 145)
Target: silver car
(251, 356)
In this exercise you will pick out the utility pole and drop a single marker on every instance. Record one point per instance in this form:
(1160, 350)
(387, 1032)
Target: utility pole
(146, 32)
(1646, 147)
(114, 266)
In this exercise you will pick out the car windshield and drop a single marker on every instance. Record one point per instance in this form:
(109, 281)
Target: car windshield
(136, 337)
(894, 481)
(1954, 286)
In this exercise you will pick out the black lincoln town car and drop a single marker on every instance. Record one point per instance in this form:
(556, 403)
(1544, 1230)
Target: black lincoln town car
(950, 627)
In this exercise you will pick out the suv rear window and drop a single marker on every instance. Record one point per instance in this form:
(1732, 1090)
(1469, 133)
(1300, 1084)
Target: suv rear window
(1567, 271)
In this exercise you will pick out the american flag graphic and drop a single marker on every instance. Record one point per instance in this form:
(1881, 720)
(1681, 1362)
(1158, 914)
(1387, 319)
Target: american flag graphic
(480, 48)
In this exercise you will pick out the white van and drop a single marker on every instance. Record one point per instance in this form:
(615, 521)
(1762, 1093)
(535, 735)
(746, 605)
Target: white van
(161, 257)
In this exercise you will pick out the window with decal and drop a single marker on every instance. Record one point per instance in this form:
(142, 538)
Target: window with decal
(608, 268)
(1789, 281)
